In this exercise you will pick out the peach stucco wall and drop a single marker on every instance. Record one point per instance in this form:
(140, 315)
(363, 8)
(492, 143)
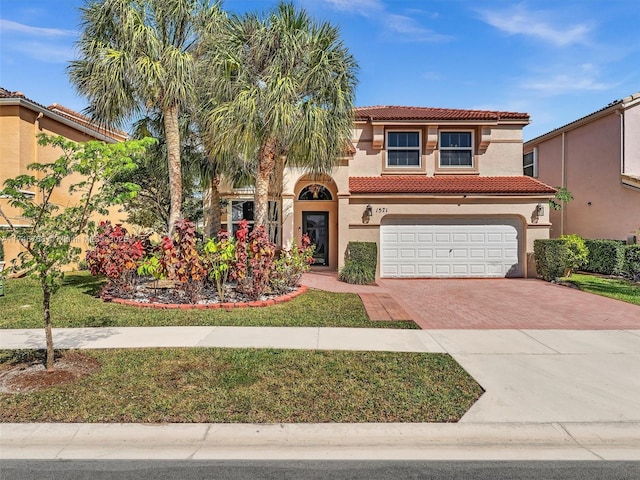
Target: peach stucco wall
(502, 157)
(632, 140)
(602, 207)
(19, 128)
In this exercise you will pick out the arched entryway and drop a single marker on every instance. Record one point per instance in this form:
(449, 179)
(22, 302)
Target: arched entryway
(316, 214)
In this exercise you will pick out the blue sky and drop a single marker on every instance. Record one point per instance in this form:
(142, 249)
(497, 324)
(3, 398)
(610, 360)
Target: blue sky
(556, 60)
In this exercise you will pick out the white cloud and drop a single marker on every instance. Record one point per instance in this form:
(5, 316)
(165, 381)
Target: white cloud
(582, 78)
(47, 53)
(360, 7)
(519, 21)
(432, 76)
(412, 29)
(564, 83)
(11, 26)
(409, 28)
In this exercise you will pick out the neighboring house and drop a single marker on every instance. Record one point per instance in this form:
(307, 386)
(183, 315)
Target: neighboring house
(21, 120)
(440, 191)
(596, 158)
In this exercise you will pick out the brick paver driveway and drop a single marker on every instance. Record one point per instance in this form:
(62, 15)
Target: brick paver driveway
(508, 303)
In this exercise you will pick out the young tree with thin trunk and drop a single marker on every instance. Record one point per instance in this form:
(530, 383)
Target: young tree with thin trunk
(137, 55)
(278, 86)
(48, 240)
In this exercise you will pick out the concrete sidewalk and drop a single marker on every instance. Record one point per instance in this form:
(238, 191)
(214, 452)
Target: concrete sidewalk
(549, 394)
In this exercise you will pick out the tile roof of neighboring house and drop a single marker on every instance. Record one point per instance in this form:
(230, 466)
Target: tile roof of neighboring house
(380, 113)
(449, 184)
(67, 113)
(613, 106)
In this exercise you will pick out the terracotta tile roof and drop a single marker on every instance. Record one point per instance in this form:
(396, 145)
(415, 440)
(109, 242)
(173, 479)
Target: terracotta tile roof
(449, 184)
(383, 112)
(69, 114)
(86, 121)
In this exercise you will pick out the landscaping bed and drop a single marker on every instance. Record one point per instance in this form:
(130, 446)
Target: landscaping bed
(246, 386)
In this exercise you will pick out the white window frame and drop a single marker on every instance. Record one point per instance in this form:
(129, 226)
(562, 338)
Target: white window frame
(534, 162)
(418, 148)
(471, 148)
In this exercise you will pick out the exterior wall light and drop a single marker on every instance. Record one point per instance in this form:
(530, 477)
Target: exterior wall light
(540, 210)
(368, 211)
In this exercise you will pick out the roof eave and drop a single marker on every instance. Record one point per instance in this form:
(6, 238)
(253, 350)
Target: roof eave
(21, 102)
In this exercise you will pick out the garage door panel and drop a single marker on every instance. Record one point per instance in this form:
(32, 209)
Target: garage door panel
(460, 238)
(459, 253)
(406, 253)
(455, 249)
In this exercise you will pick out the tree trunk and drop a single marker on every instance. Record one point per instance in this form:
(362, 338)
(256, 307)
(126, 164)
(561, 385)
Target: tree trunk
(266, 164)
(172, 135)
(211, 210)
(46, 308)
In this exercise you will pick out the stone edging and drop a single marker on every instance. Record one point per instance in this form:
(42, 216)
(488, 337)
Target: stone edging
(212, 306)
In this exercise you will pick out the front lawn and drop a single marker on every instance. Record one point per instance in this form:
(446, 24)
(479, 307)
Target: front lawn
(607, 287)
(250, 386)
(76, 305)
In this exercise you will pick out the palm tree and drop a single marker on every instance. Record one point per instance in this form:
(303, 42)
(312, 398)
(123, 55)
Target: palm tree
(278, 86)
(137, 55)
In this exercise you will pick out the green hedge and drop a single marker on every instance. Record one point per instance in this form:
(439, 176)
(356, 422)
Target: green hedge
(605, 256)
(551, 257)
(632, 260)
(361, 261)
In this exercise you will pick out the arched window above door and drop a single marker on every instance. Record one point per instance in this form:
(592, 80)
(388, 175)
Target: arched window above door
(315, 191)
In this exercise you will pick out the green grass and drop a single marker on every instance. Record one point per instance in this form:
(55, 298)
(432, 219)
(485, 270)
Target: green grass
(248, 385)
(76, 305)
(607, 287)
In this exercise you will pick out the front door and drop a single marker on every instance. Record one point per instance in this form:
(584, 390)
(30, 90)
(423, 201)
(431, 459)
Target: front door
(316, 225)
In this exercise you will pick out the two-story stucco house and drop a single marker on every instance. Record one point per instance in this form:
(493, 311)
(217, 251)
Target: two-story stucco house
(441, 192)
(21, 120)
(597, 158)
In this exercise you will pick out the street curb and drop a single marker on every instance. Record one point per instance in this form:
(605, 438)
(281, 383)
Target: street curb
(576, 441)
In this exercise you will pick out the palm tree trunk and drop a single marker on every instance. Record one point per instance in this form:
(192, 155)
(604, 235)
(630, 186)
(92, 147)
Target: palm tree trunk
(211, 210)
(46, 308)
(266, 164)
(172, 134)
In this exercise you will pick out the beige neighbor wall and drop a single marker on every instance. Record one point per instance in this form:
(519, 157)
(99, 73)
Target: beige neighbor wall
(520, 208)
(19, 127)
(602, 207)
(632, 141)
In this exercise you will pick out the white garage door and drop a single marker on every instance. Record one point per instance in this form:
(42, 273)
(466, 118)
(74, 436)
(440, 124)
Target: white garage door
(423, 248)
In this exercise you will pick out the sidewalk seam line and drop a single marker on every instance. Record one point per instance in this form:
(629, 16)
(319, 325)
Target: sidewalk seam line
(599, 457)
(538, 341)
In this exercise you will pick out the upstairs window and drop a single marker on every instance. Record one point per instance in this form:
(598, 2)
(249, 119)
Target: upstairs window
(530, 163)
(403, 149)
(456, 149)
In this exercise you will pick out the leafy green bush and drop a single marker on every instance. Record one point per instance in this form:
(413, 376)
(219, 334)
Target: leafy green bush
(364, 253)
(1, 252)
(551, 257)
(360, 263)
(577, 252)
(356, 273)
(605, 256)
(632, 260)
(290, 265)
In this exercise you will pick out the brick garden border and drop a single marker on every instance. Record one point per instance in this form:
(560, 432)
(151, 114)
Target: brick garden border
(213, 306)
